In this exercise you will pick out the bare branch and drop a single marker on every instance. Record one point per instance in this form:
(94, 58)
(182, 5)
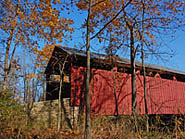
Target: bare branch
(110, 21)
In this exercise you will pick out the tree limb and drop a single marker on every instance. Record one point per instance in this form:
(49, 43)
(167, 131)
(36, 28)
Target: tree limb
(110, 20)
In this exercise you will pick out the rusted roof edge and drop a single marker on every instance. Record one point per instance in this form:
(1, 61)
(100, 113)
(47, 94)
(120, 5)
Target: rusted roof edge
(72, 51)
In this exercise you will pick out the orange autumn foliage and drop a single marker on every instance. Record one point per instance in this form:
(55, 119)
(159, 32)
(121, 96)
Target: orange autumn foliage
(28, 23)
(31, 76)
(43, 55)
(159, 15)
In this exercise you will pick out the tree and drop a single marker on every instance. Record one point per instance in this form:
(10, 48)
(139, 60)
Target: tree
(87, 92)
(27, 20)
(143, 67)
(95, 9)
(157, 20)
(98, 8)
(61, 68)
(111, 52)
(13, 20)
(124, 20)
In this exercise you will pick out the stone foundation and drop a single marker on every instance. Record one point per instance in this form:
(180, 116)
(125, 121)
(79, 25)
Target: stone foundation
(46, 112)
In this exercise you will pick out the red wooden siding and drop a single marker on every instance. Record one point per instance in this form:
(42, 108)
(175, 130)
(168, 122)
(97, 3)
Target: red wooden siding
(164, 96)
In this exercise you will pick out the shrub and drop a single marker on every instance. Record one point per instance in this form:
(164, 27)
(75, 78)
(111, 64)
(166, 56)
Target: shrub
(11, 115)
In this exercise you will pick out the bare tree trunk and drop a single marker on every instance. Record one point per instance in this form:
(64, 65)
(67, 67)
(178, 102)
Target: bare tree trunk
(143, 68)
(25, 88)
(60, 93)
(114, 80)
(133, 80)
(6, 59)
(12, 56)
(6, 67)
(59, 104)
(29, 103)
(133, 70)
(87, 95)
(44, 88)
(24, 74)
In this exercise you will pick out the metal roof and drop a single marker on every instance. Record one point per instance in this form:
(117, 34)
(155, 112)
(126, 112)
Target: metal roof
(72, 51)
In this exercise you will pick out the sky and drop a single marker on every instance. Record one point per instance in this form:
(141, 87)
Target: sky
(177, 61)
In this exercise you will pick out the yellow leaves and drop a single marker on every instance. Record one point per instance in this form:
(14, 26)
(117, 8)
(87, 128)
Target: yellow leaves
(153, 42)
(100, 39)
(54, 2)
(43, 55)
(55, 78)
(136, 3)
(115, 22)
(22, 37)
(37, 65)
(151, 36)
(82, 5)
(51, 24)
(174, 9)
(66, 79)
(98, 16)
(114, 39)
(156, 11)
(163, 19)
(20, 14)
(175, 6)
(13, 23)
(31, 76)
(59, 1)
(3, 27)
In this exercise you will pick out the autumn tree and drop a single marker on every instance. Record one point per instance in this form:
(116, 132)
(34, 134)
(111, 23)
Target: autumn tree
(124, 19)
(95, 9)
(143, 65)
(60, 101)
(91, 7)
(158, 17)
(13, 9)
(111, 51)
(148, 22)
(27, 23)
(87, 92)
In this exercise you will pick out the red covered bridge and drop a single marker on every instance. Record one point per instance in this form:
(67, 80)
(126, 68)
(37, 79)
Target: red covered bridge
(165, 87)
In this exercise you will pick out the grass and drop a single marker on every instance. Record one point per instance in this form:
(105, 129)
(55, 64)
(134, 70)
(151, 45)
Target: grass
(106, 127)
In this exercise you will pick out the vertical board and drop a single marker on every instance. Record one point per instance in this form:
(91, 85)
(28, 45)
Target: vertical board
(166, 96)
(163, 96)
(77, 85)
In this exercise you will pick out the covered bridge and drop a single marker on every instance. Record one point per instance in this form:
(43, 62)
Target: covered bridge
(165, 87)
